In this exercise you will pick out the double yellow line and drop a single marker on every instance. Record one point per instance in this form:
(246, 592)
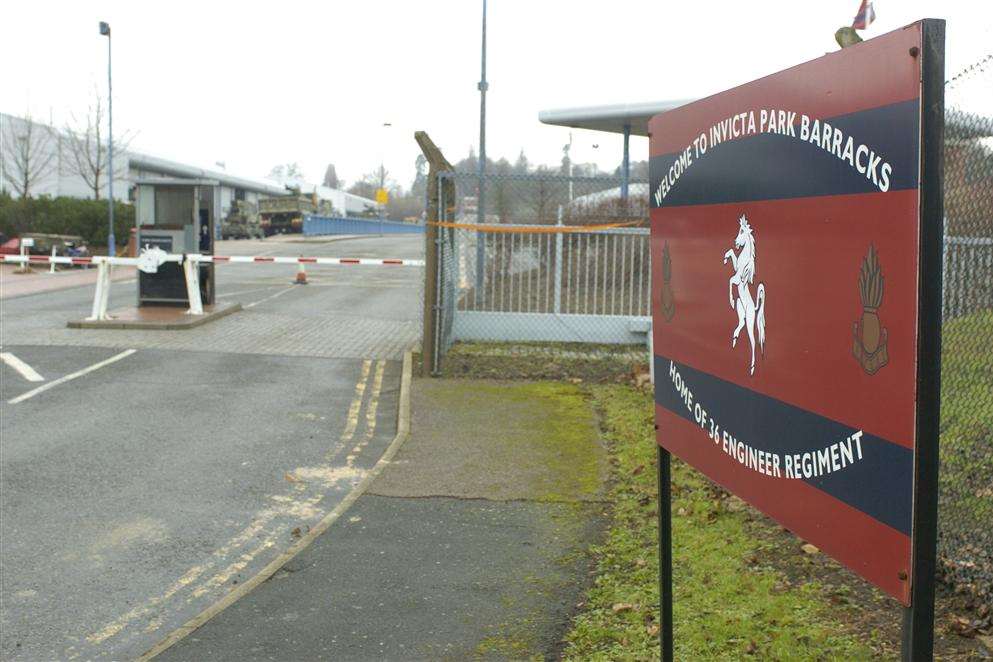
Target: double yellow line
(195, 579)
(355, 409)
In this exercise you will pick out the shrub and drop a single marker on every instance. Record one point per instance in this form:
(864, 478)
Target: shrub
(63, 215)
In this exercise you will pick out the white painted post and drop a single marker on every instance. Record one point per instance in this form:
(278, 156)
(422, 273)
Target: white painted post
(23, 266)
(558, 263)
(51, 268)
(101, 296)
(191, 269)
(106, 290)
(98, 294)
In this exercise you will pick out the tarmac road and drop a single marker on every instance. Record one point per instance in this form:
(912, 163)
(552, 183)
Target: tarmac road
(148, 472)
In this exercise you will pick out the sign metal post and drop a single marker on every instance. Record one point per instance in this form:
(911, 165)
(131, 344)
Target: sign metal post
(918, 622)
(665, 555)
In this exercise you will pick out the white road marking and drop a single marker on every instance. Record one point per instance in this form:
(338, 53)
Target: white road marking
(27, 372)
(62, 380)
(240, 292)
(271, 296)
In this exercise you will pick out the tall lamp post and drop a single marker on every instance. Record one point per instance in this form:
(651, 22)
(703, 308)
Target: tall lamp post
(111, 244)
(382, 177)
(481, 188)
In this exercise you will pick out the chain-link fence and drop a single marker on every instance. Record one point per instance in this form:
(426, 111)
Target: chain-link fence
(966, 478)
(552, 259)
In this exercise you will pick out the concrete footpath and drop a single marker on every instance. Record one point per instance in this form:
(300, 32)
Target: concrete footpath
(470, 545)
(14, 284)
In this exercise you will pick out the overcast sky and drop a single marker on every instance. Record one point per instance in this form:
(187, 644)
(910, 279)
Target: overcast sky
(255, 84)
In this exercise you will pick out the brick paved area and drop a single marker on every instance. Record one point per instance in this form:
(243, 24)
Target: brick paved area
(245, 332)
(347, 312)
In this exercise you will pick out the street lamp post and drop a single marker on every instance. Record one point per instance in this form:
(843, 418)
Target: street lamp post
(111, 244)
(481, 188)
(568, 155)
(382, 176)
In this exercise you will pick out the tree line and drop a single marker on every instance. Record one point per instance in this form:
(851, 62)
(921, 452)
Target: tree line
(528, 197)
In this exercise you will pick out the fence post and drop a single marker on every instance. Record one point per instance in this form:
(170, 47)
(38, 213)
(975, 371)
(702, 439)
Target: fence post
(944, 267)
(439, 303)
(558, 265)
(437, 164)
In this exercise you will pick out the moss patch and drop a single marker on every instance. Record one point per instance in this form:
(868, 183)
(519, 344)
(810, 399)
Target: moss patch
(536, 441)
(542, 361)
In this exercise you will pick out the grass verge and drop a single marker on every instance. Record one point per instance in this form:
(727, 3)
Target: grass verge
(727, 605)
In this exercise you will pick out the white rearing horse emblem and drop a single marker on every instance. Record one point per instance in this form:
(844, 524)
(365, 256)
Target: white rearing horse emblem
(751, 312)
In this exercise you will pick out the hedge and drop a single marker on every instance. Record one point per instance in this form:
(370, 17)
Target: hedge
(63, 215)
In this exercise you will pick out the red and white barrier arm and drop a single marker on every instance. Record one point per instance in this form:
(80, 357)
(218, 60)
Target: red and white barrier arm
(59, 259)
(216, 259)
(220, 259)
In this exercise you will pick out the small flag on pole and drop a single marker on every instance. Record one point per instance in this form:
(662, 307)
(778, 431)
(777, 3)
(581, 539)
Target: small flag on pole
(865, 16)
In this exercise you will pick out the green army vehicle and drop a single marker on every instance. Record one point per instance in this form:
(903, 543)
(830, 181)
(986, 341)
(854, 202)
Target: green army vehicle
(284, 214)
(242, 222)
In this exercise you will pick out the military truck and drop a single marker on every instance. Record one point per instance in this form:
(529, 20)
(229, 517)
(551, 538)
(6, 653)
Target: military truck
(242, 222)
(284, 214)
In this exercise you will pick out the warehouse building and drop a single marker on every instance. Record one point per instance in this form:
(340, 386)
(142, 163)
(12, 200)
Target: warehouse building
(50, 151)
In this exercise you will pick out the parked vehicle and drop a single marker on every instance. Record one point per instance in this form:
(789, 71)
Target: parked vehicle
(10, 247)
(43, 243)
(284, 214)
(242, 222)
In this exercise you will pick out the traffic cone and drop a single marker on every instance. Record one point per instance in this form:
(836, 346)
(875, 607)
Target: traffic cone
(301, 278)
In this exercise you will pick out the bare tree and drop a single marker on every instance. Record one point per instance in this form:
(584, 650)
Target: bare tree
(287, 172)
(372, 182)
(87, 149)
(381, 177)
(543, 195)
(28, 155)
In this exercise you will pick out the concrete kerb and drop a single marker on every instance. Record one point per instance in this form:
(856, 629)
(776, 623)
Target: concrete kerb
(130, 318)
(246, 587)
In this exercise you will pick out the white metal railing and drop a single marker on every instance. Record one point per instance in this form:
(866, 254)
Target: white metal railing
(553, 286)
(606, 272)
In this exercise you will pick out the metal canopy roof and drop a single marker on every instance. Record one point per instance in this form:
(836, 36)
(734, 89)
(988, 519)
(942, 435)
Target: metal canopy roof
(175, 169)
(610, 118)
(175, 181)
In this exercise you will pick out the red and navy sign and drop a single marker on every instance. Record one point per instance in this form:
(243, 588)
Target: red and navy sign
(785, 228)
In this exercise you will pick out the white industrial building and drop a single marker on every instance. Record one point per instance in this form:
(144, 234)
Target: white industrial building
(51, 146)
